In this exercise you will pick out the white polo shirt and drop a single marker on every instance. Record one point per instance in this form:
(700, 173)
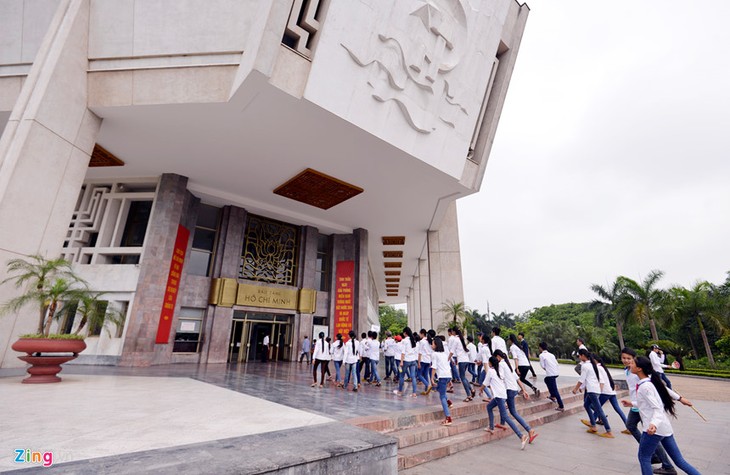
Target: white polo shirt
(499, 389)
(498, 343)
(549, 363)
(651, 408)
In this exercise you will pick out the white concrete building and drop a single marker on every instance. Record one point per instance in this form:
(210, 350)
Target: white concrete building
(306, 153)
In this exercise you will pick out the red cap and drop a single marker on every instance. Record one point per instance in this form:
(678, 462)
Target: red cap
(397, 338)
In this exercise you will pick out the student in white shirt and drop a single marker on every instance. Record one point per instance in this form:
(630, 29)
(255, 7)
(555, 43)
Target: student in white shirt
(513, 386)
(498, 342)
(424, 359)
(441, 375)
(408, 362)
(321, 358)
(374, 354)
(549, 363)
(351, 358)
(655, 404)
(463, 359)
(485, 352)
(634, 417)
(608, 392)
(472, 368)
(338, 354)
(522, 364)
(657, 363)
(495, 380)
(452, 343)
(388, 348)
(365, 357)
(590, 381)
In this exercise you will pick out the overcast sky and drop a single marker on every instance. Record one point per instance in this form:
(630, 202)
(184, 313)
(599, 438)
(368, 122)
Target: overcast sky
(611, 157)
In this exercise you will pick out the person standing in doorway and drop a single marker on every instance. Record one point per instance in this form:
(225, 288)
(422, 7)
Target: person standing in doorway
(306, 350)
(265, 349)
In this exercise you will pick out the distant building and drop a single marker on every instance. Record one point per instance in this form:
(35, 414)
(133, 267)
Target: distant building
(230, 169)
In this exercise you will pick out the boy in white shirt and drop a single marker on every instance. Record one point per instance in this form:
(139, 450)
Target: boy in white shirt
(549, 363)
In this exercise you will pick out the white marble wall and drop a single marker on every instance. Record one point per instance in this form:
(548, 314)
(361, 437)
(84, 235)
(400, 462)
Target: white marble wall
(370, 68)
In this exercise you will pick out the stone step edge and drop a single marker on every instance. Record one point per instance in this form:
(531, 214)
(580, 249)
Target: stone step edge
(386, 423)
(436, 449)
(434, 430)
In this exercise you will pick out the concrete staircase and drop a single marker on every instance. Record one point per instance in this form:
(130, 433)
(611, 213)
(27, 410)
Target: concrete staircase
(422, 438)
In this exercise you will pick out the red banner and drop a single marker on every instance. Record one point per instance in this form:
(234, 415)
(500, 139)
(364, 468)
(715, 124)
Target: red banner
(344, 280)
(173, 284)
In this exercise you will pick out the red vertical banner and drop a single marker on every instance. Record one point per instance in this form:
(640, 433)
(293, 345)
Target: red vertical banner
(344, 292)
(173, 284)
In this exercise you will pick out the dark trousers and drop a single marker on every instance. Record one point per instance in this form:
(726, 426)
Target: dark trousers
(552, 385)
(265, 354)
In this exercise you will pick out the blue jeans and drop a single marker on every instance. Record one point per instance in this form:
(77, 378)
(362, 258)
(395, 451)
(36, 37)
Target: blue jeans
(351, 369)
(552, 385)
(614, 402)
(480, 380)
(594, 409)
(409, 367)
(462, 377)
(511, 394)
(632, 421)
(390, 366)
(472, 368)
(666, 380)
(443, 382)
(338, 365)
(424, 374)
(454, 371)
(374, 370)
(499, 402)
(648, 445)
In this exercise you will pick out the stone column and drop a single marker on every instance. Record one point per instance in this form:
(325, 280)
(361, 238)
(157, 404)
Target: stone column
(218, 320)
(444, 263)
(304, 322)
(168, 212)
(424, 295)
(362, 280)
(44, 154)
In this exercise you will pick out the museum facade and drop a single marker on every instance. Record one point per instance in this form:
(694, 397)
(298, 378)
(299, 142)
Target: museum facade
(227, 170)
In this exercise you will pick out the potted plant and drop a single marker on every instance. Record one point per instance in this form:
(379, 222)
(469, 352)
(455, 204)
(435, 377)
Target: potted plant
(51, 285)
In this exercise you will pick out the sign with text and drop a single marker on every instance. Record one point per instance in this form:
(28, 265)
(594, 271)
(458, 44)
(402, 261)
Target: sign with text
(344, 296)
(173, 285)
(268, 297)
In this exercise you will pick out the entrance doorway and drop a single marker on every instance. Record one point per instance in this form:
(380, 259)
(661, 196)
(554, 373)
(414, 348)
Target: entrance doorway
(247, 337)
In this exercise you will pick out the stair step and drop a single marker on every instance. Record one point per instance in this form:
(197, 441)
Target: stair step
(419, 445)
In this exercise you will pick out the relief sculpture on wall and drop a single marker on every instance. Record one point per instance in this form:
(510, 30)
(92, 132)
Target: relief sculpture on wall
(411, 61)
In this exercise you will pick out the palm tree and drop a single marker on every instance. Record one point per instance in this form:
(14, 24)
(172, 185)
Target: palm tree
(49, 283)
(453, 311)
(643, 299)
(696, 305)
(93, 311)
(614, 298)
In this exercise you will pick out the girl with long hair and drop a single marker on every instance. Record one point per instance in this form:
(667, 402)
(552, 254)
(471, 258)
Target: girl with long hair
(463, 360)
(338, 354)
(351, 358)
(495, 380)
(655, 403)
(408, 362)
(321, 359)
(591, 382)
(441, 375)
(521, 362)
(608, 391)
(424, 360)
(513, 386)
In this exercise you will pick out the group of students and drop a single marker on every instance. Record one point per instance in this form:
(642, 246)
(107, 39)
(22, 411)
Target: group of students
(651, 402)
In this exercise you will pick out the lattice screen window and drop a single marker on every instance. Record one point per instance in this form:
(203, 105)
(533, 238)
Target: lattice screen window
(303, 25)
(109, 223)
(270, 251)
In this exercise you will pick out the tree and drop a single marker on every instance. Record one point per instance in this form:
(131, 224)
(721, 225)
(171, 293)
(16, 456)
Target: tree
(643, 299)
(454, 312)
(695, 305)
(392, 320)
(614, 300)
(49, 283)
(93, 311)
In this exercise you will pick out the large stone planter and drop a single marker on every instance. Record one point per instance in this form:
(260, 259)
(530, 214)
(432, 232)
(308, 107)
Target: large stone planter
(45, 367)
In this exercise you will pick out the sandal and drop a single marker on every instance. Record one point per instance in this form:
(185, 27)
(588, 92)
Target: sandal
(468, 399)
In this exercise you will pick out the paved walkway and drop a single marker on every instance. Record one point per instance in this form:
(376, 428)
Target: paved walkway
(101, 411)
